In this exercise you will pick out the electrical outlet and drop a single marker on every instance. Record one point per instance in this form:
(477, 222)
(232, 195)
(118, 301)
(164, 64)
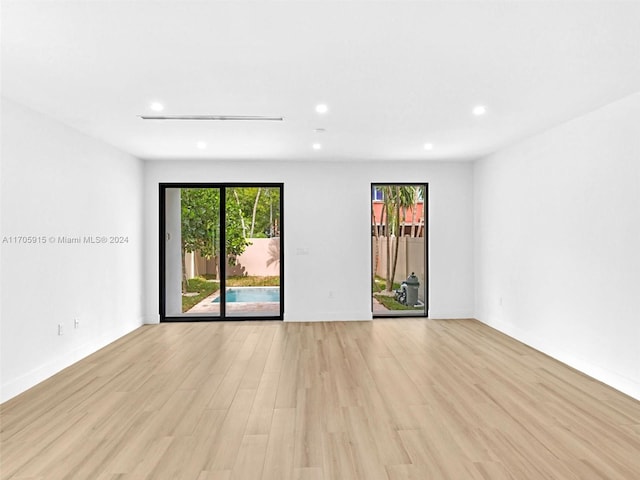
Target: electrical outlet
(76, 323)
(60, 329)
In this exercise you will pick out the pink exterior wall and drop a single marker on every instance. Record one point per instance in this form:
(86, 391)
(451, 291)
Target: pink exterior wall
(261, 258)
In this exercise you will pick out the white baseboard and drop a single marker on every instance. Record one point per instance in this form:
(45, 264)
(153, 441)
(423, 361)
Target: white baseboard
(449, 315)
(153, 319)
(21, 384)
(355, 316)
(614, 380)
(362, 316)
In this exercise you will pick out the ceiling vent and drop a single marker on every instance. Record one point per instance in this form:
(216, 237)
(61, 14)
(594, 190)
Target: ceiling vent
(209, 117)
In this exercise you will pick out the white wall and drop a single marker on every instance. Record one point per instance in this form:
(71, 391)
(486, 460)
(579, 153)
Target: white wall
(321, 199)
(557, 249)
(173, 251)
(55, 182)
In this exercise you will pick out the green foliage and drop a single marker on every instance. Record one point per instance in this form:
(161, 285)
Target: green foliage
(253, 281)
(267, 218)
(204, 287)
(235, 240)
(390, 303)
(200, 220)
(397, 200)
(201, 286)
(201, 223)
(198, 284)
(247, 209)
(379, 285)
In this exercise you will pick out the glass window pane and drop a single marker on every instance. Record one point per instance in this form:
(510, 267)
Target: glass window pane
(222, 251)
(192, 251)
(253, 251)
(398, 237)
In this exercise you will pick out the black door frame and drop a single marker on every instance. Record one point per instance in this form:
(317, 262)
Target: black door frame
(425, 208)
(162, 244)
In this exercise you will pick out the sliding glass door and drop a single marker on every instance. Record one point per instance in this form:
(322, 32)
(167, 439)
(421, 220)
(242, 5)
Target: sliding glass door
(191, 242)
(399, 219)
(252, 274)
(220, 251)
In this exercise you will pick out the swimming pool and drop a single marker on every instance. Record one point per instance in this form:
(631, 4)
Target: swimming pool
(251, 294)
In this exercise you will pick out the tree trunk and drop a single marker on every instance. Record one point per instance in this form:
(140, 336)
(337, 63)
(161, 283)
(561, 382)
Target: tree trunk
(389, 282)
(376, 234)
(414, 212)
(397, 245)
(244, 227)
(424, 212)
(375, 248)
(255, 209)
(184, 269)
(421, 224)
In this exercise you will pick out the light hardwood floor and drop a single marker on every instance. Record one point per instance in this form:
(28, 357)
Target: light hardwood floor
(389, 399)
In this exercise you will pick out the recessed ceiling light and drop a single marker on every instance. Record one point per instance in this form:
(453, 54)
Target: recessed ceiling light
(428, 146)
(317, 146)
(322, 108)
(320, 130)
(479, 110)
(156, 106)
(201, 145)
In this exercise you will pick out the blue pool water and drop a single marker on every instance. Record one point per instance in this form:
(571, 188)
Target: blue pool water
(251, 294)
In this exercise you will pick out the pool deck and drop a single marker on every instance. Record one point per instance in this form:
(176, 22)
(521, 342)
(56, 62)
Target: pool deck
(378, 307)
(206, 306)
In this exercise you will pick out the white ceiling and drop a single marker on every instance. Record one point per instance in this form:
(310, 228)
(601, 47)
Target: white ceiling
(394, 74)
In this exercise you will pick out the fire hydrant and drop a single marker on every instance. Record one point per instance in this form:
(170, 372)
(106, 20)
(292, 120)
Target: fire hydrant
(408, 292)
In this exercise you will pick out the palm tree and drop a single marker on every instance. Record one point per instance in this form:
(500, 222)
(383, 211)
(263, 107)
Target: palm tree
(422, 192)
(376, 234)
(388, 211)
(377, 231)
(414, 212)
(397, 201)
(404, 197)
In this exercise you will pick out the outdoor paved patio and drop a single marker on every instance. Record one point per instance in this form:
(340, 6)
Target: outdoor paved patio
(207, 307)
(258, 309)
